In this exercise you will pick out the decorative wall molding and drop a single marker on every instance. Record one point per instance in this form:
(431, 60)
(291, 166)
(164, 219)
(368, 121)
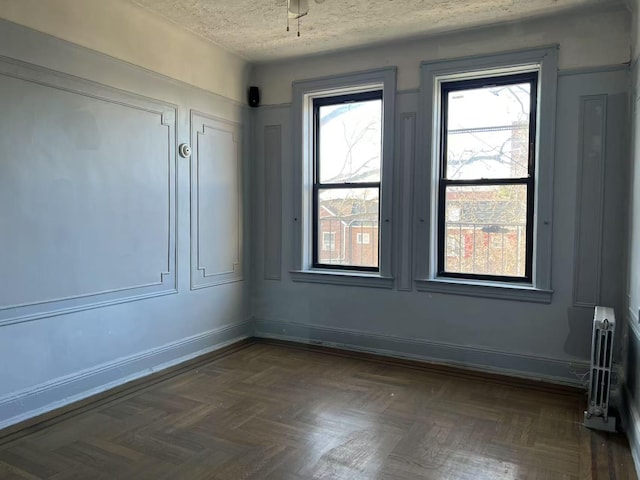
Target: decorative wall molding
(551, 370)
(203, 274)
(272, 202)
(33, 401)
(590, 201)
(166, 115)
(407, 142)
(567, 72)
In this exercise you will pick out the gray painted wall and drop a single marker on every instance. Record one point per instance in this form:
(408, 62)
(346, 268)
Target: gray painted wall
(100, 281)
(541, 341)
(73, 164)
(631, 314)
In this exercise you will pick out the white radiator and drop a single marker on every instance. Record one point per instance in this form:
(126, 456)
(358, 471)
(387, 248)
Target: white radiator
(597, 414)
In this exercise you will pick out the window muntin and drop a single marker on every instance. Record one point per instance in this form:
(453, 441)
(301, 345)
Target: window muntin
(487, 177)
(347, 147)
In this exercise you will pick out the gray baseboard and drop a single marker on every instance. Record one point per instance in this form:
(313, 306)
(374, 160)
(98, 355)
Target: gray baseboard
(555, 371)
(631, 424)
(630, 415)
(62, 391)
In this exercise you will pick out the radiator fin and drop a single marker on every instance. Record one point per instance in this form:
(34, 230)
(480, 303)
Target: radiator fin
(601, 363)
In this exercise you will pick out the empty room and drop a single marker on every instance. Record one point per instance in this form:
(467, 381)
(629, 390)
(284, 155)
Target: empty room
(319, 239)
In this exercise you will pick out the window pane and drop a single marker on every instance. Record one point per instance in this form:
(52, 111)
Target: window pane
(348, 226)
(486, 230)
(488, 132)
(350, 142)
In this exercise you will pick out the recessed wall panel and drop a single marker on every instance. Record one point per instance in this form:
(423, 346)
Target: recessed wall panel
(87, 185)
(590, 200)
(407, 154)
(272, 202)
(216, 201)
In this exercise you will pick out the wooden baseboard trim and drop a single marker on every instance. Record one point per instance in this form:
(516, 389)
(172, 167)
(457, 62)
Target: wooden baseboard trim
(34, 424)
(436, 368)
(121, 392)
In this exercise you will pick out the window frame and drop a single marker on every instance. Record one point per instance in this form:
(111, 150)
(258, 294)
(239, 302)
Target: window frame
(426, 278)
(304, 91)
(531, 77)
(317, 103)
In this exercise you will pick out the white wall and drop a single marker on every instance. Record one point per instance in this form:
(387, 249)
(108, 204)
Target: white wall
(634, 11)
(125, 31)
(589, 39)
(103, 278)
(543, 341)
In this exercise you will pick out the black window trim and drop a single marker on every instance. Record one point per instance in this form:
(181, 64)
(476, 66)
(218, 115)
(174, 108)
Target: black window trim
(484, 82)
(317, 186)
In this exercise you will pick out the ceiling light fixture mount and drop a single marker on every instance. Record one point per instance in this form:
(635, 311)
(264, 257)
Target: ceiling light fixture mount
(295, 10)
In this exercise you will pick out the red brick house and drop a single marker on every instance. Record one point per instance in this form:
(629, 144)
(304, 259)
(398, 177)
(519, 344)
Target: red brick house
(348, 232)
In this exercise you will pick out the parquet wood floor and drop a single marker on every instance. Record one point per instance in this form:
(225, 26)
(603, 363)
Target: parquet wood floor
(281, 412)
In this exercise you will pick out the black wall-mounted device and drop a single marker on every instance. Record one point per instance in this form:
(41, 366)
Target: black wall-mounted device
(254, 96)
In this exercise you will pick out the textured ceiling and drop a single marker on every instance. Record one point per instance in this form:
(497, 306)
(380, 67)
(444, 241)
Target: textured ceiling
(256, 29)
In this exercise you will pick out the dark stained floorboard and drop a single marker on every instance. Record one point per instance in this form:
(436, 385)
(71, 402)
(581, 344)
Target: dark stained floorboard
(281, 412)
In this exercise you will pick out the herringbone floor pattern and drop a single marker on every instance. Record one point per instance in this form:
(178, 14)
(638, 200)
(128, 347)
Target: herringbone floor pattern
(277, 412)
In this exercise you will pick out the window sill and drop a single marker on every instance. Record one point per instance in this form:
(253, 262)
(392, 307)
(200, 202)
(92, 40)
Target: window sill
(341, 277)
(470, 288)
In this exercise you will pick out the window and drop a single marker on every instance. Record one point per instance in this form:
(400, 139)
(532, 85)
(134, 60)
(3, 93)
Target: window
(343, 129)
(328, 241)
(347, 141)
(453, 247)
(497, 241)
(487, 171)
(454, 212)
(362, 239)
